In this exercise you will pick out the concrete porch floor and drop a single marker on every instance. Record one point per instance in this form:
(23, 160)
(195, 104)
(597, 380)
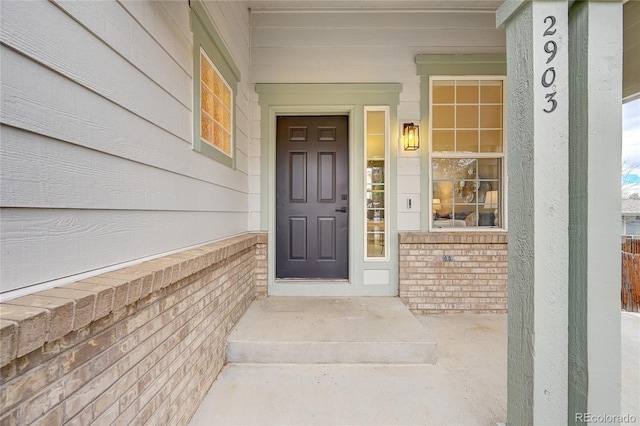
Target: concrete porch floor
(467, 385)
(330, 330)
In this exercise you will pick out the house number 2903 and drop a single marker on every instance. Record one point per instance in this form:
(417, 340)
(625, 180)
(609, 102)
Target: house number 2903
(549, 75)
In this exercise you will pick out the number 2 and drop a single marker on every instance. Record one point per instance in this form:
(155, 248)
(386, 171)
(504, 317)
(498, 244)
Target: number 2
(553, 22)
(549, 75)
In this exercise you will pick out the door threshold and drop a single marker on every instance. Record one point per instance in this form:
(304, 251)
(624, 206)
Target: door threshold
(311, 281)
(310, 287)
(320, 287)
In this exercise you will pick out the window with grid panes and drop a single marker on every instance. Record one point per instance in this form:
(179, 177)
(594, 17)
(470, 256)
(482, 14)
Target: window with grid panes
(215, 80)
(467, 152)
(216, 106)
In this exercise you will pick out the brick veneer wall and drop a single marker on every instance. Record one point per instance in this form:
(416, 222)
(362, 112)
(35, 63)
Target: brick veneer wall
(473, 279)
(141, 345)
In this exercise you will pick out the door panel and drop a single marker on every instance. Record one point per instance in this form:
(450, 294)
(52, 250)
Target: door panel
(312, 195)
(298, 180)
(327, 238)
(326, 177)
(298, 238)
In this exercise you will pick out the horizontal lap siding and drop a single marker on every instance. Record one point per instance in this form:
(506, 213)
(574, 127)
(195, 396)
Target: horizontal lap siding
(369, 47)
(82, 240)
(47, 35)
(362, 47)
(96, 159)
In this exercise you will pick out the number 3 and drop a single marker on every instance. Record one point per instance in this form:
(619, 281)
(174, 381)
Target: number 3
(554, 103)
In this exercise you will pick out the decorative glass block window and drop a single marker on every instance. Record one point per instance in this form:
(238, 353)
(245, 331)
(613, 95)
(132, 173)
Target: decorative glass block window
(467, 151)
(215, 79)
(216, 106)
(376, 154)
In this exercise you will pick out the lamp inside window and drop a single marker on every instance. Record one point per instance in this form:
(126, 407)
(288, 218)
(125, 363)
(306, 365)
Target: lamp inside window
(411, 136)
(491, 202)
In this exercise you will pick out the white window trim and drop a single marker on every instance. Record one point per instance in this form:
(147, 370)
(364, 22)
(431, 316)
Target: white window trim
(387, 184)
(479, 155)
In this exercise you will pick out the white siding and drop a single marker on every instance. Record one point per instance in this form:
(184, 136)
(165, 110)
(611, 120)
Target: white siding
(409, 187)
(337, 47)
(367, 47)
(96, 161)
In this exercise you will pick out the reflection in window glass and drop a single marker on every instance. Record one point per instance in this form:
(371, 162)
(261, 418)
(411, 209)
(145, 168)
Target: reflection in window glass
(467, 152)
(375, 181)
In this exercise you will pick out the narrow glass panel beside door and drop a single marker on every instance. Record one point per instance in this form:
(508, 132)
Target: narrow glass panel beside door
(376, 135)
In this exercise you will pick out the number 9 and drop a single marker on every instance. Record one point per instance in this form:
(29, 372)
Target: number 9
(551, 50)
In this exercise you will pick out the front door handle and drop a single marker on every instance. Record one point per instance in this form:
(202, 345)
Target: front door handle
(342, 210)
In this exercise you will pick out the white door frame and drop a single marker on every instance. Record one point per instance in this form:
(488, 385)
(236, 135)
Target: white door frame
(330, 99)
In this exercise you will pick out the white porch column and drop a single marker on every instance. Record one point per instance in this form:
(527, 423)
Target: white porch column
(595, 85)
(538, 139)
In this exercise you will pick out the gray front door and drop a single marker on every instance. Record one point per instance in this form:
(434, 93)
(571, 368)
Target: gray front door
(312, 195)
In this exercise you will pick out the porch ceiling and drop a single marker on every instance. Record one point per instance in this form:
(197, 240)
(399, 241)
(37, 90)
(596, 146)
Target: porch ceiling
(372, 5)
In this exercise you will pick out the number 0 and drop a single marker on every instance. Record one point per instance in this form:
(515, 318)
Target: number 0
(546, 81)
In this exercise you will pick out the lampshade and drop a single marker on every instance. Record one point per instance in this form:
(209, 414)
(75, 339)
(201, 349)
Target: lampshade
(411, 136)
(491, 200)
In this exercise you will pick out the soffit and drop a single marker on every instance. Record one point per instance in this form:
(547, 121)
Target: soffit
(372, 5)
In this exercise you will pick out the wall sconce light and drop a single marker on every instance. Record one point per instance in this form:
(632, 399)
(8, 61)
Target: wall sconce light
(411, 136)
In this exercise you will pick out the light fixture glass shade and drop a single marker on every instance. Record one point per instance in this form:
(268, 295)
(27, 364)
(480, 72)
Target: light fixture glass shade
(491, 200)
(411, 136)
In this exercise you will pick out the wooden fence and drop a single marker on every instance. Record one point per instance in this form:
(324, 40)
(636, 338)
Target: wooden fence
(630, 292)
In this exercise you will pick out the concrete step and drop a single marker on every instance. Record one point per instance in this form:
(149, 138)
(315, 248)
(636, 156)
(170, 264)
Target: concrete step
(330, 330)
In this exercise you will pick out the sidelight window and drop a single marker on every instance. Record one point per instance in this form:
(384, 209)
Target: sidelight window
(376, 183)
